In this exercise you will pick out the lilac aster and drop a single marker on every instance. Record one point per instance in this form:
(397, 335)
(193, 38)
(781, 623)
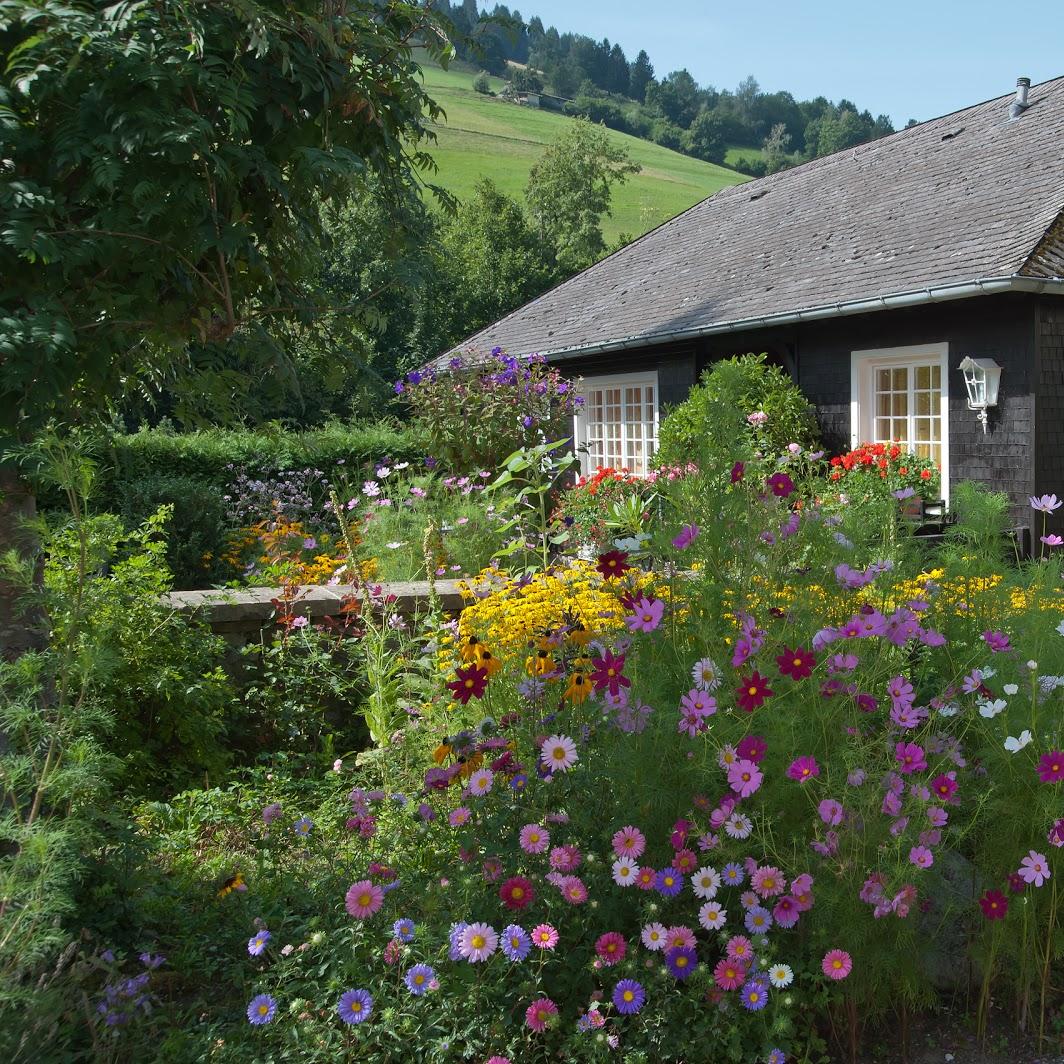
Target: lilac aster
(257, 945)
(403, 929)
(628, 997)
(419, 979)
(355, 1006)
(261, 1009)
(515, 943)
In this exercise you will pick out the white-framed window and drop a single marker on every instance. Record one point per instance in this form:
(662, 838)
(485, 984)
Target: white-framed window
(617, 426)
(901, 395)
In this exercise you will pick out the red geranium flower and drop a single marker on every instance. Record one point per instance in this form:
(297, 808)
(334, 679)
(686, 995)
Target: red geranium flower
(517, 892)
(612, 563)
(471, 683)
(797, 663)
(994, 905)
(753, 691)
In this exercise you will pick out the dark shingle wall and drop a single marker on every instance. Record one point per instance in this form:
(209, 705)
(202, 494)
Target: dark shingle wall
(1049, 466)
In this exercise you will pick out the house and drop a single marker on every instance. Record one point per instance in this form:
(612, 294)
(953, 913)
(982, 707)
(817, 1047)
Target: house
(869, 275)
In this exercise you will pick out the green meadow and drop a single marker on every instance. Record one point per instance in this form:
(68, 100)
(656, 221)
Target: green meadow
(484, 136)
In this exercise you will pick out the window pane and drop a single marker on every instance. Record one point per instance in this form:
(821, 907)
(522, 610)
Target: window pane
(923, 376)
(901, 379)
(900, 405)
(883, 380)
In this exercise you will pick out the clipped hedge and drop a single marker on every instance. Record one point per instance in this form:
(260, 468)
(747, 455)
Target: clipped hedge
(193, 472)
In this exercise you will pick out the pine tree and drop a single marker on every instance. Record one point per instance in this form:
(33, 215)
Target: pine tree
(640, 76)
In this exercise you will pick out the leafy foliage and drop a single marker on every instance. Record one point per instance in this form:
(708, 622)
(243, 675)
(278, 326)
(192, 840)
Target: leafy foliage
(706, 425)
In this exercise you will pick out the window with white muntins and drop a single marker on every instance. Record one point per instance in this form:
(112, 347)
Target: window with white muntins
(901, 395)
(617, 426)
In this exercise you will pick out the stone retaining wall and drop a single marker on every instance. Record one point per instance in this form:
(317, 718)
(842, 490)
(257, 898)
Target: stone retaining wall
(245, 614)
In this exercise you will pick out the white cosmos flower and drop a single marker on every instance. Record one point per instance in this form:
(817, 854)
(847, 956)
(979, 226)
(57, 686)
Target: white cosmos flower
(1010, 688)
(706, 882)
(990, 709)
(1014, 745)
(711, 916)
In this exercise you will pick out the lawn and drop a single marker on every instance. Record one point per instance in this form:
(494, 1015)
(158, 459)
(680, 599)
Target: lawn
(487, 137)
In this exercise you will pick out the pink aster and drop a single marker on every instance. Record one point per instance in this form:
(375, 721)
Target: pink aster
(1034, 868)
(478, 942)
(768, 881)
(680, 937)
(729, 974)
(744, 777)
(540, 1013)
(573, 890)
(611, 947)
(740, 948)
(646, 615)
(629, 842)
(565, 858)
(837, 964)
(544, 936)
(803, 768)
(363, 899)
(534, 838)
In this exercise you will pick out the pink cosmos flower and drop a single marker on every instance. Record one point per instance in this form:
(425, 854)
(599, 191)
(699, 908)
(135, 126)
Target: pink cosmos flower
(611, 947)
(544, 936)
(1034, 868)
(540, 1013)
(744, 777)
(534, 838)
(751, 748)
(363, 899)
(686, 537)
(921, 856)
(786, 912)
(1051, 767)
(629, 842)
(831, 811)
(1056, 833)
(837, 964)
(698, 703)
(646, 615)
(910, 758)
(803, 768)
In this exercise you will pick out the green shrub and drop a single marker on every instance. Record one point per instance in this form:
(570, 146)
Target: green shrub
(708, 426)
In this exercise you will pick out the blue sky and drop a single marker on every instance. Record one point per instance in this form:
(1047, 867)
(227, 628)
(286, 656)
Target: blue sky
(905, 58)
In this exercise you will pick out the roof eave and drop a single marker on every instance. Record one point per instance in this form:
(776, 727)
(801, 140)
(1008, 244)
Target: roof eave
(916, 297)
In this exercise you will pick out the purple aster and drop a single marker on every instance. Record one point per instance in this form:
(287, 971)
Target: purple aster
(681, 961)
(754, 995)
(668, 883)
(403, 929)
(733, 875)
(355, 1006)
(515, 943)
(628, 997)
(261, 1009)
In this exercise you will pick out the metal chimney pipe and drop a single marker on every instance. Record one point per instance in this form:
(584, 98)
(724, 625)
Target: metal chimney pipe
(1020, 104)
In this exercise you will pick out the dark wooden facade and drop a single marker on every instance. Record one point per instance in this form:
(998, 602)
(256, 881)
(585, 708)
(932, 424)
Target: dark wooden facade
(1022, 453)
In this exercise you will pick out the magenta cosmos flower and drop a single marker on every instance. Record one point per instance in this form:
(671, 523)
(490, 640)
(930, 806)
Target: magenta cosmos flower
(1051, 767)
(780, 484)
(753, 691)
(612, 563)
(797, 663)
(910, 758)
(837, 964)
(470, 682)
(646, 615)
(363, 899)
(540, 1013)
(803, 768)
(994, 905)
(1034, 868)
(608, 673)
(687, 536)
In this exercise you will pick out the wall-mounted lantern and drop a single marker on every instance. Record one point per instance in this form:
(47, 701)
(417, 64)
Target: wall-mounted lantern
(982, 376)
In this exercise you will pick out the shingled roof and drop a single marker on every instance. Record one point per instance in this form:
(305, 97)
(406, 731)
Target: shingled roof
(971, 199)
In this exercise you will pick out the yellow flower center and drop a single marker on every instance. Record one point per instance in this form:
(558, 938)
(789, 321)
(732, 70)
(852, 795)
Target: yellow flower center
(364, 899)
(263, 1009)
(478, 941)
(559, 753)
(797, 662)
(628, 995)
(681, 962)
(836, 964)
(517, 893)
(751, 690)
(419, 979)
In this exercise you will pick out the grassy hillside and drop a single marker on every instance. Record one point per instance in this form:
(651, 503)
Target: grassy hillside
(487, 137)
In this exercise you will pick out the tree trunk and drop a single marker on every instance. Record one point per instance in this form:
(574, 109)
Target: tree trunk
(21, 629)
